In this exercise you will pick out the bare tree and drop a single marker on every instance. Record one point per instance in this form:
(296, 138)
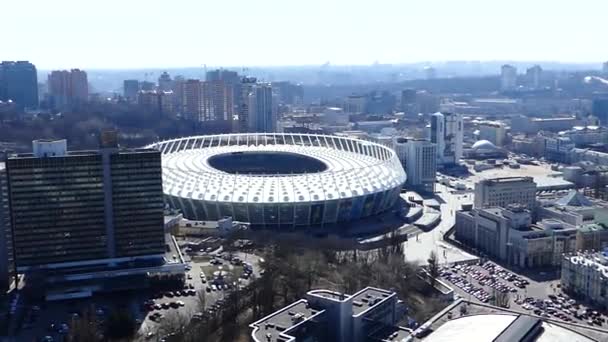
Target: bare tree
(201, 300)
(501, 299)
(433, 267)
(174, 323)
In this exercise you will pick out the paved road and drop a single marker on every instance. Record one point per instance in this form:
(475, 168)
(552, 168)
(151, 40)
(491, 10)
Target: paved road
(417, 248)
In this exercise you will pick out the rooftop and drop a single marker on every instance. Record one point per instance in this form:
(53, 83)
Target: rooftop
(368, 298)
(476, 322)
(275, 327)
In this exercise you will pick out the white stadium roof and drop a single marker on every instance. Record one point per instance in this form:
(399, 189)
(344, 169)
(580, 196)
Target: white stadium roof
(354, 168)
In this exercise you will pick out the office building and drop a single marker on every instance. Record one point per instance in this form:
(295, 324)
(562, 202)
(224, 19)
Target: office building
(130, 90)
(332, 316)
(508, 77)
(533, 77)
(19, 83)
(446, 132)
(260, 116)
(419, 159)
(67, 88)
(164, 82)
(494, 132)
(585, 276)
(88, 215)
(509, 235)
(501, 192)
(6, 251)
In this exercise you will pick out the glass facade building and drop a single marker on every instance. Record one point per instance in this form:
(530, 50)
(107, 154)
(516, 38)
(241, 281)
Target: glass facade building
(82, 208)
(359, 179)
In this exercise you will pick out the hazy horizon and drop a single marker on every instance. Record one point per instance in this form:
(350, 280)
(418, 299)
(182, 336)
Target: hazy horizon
(118, 35)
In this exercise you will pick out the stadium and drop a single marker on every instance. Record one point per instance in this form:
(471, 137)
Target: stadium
(279, 181)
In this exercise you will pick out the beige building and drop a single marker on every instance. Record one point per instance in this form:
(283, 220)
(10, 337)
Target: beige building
(501, 192)
(586, 275)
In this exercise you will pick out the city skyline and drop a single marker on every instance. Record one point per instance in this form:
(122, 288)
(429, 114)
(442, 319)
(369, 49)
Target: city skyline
(124, 36)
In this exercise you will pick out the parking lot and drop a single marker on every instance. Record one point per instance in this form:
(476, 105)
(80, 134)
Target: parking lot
(212, 276)
(485, 282)
(209, 279)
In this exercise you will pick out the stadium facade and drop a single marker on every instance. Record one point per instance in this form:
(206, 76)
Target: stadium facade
(279, 181)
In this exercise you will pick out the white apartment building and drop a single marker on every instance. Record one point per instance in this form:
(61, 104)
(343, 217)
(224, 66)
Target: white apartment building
(419, 159)
(447, 133)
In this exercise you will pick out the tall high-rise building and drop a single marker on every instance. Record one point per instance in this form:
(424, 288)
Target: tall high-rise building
(600, 109)
(19, 83)
(261, 116)
(508, 77)
(446, 132)
(288, 93)
(192, 100)
(156, 101)
(419, 159)
(98, 213)
(408, 101)
(216, 103)
(6, 251)
(147, 85)
(67, 88)
(533, 76)
(242, 91)
(501, 192)
(228, 76)
(164, 82)
(130, 90)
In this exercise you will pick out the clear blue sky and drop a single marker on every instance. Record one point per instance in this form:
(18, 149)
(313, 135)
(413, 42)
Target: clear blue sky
(182, 33)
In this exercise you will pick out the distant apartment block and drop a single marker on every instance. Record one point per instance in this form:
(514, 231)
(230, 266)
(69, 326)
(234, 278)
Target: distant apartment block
(67, 88)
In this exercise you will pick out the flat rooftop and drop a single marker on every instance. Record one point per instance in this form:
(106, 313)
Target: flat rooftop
(368, 298)
(269, 328)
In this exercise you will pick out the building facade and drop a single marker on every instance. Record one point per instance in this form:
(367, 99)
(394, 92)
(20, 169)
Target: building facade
(586, 275)
(6, 241)
(509, 235)
(67, 88)
(508, 77)
(130, 90)
(501, 192)
(446, 132)
(261, 116)
(419, 159)
(494, 132)
(19, 83)
(331, 316)
(85, 210)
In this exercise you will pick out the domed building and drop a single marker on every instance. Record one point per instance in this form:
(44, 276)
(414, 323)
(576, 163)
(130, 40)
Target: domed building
(483, 149)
